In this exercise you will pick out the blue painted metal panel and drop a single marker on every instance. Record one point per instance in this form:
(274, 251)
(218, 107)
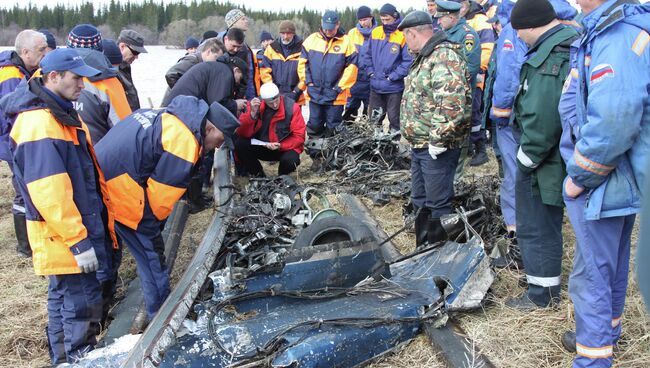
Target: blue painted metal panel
(249, 330)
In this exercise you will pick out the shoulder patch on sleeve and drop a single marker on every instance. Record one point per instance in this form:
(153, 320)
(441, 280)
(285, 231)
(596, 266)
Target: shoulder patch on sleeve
(469, 42)
(601, 72)
(508, 46)
(640, 43)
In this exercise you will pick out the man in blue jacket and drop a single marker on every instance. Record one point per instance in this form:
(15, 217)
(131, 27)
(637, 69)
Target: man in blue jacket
(606, 143)
(16, 66)
(511, 51)
(149, 159)
(387, 62)
(360, 91)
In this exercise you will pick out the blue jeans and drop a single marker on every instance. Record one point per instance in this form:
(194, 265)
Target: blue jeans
(74, 309)
(539, 234)
(432, 180)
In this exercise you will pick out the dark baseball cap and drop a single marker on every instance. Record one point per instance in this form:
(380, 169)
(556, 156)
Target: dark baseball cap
(225, 121)
(133, 39)
(66, 59)
(330, 18)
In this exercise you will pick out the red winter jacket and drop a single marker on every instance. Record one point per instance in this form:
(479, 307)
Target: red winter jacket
(290, 134)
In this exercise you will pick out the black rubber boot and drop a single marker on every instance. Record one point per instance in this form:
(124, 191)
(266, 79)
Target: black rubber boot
(480, 156)
(20, 226)
(569, 341)
(197, 201)
(436, 234)
(422, 227)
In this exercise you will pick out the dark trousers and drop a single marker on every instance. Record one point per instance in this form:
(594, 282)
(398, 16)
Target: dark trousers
(478, 132)
(18, 206)
(148, 251)
(390, 104)
(249, 156)
(74, 308)
(433, 180)
(539, 234)
(352, 108)
(322, 117)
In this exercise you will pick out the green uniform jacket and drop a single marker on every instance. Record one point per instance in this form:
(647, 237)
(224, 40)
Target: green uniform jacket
(536, 112)
(467, 37)
(437, 100)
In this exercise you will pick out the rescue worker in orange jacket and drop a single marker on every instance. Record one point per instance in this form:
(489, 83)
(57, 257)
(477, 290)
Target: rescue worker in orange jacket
(360, 91)
(477, 19)
(103, 102)
(328, 68)
(280, 63)
(69, 216)
(149, 159)
(15, 66)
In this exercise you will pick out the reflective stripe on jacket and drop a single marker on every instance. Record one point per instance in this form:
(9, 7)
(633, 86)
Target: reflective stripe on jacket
(328, 67)
(148, 160)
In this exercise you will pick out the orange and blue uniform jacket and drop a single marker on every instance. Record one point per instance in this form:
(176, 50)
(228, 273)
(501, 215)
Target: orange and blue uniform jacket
(66, 199)
(386, 59)
(102, 103)
(149, 159)
(328, 68)
(12, 71)
(478, 21)
(280, 69)
(360, 37)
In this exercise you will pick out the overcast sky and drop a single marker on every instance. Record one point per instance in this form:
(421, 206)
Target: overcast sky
(263, 4)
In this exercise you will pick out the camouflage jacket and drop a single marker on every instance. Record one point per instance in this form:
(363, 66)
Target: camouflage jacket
(437, 101)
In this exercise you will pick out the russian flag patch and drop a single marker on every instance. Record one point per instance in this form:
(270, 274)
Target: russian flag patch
(508, 46)
(601, 72)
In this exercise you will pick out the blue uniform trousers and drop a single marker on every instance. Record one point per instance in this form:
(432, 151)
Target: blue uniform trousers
(74, 308)
(432, 181)
(598, 283)
(539, 235)
(323, 116)
(508, 147)
(478, 132)
(148, 252)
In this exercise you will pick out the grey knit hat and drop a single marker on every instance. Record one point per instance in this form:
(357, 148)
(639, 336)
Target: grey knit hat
(233, 16)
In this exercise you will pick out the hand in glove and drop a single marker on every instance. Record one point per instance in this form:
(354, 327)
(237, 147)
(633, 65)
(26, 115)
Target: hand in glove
(435, 151)
(87, 261)
(296, 94)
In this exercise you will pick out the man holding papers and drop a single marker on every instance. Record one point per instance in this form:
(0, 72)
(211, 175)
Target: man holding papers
(272, 129)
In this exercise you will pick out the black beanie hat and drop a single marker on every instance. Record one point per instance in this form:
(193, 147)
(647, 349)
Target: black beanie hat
(532, 14)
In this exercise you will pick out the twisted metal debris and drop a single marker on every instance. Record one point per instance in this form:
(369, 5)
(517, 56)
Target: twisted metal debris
(266, 220)
(365, 161)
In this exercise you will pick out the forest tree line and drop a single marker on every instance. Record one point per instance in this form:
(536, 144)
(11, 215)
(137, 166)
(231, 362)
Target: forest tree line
(166, 24)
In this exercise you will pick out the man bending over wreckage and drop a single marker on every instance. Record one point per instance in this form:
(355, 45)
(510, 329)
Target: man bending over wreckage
(148, 159)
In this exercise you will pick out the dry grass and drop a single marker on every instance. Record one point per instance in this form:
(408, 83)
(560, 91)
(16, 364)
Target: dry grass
(509, 338)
